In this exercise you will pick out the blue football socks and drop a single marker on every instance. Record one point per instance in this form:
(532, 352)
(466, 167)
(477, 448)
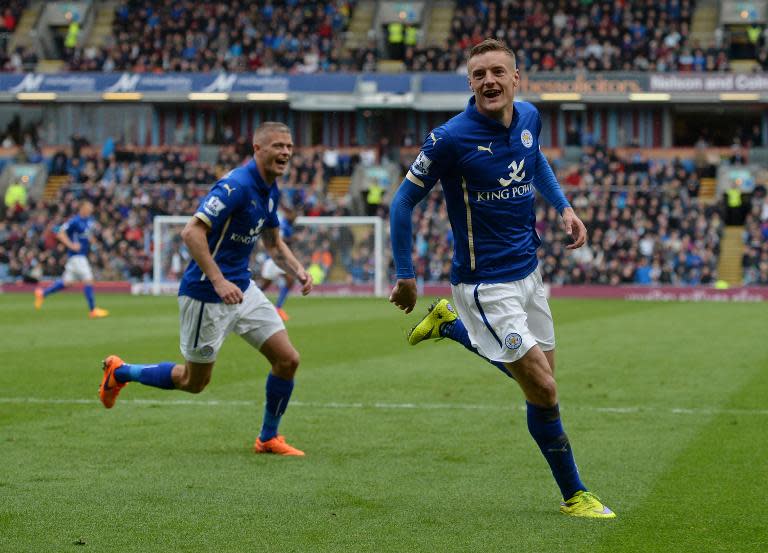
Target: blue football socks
(53, 288)
(282, 296)
(88, 291)
(545, 427)
(456, 331)
(278, 394)
(157, 376)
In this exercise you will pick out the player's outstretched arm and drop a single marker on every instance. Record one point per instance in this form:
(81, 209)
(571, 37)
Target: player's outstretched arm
(404, 293)
(284, 258)
(195, 237)
(546, 183)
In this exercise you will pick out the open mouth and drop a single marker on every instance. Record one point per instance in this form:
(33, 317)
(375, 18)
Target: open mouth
(492, 93)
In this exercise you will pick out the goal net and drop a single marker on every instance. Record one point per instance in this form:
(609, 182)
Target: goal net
(344, 254)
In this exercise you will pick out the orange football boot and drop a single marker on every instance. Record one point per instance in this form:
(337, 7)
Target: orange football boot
(98, 313)
(277, 446)
(39, 298)
(282, 313)
(110, 387)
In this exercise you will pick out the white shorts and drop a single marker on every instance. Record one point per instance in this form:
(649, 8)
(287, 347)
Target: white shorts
(505, 320)
(77, 268)
(204, 326)
(270, 270)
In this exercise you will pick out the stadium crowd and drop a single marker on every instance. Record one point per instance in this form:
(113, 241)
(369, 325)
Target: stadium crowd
(568, 35)
(307, 36)
(129, 187)
(646, 224)
(265, 37)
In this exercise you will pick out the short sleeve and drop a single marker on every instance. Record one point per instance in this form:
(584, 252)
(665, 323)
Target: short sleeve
(435, 159)
(222, 200)
(272, 206)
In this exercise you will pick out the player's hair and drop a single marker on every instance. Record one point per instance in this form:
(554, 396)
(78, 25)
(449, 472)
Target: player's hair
(269, 127)
(491, 45)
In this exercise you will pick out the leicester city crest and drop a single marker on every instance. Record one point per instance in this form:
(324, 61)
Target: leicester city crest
(527, 138)
(513, 340)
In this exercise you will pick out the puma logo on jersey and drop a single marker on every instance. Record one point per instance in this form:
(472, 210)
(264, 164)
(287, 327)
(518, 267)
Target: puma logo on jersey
(516, 175)
(434, 138)
(484, 149)
(228, 188)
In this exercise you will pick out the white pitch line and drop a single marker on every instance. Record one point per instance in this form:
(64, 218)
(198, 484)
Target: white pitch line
(380, 405)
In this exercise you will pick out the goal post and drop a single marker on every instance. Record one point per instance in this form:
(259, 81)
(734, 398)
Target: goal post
(345, 253)
(169, 255)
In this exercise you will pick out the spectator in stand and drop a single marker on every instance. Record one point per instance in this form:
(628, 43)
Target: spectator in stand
(16, 198)
(734, 202)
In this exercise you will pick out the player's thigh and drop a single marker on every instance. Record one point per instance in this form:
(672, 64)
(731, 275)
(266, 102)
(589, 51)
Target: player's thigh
(540, 321)
(77, 268)
(258, 321)
(550, 355)
(203, 326)
(495, 319)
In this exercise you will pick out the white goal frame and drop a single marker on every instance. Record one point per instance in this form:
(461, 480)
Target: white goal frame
(378, 243)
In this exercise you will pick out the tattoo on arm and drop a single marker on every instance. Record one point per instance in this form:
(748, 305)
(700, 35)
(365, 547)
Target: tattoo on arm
(277, 250)
(269, 236)
(281, 261)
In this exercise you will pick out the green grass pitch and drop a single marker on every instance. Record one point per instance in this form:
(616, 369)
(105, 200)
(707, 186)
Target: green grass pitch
(408, 448)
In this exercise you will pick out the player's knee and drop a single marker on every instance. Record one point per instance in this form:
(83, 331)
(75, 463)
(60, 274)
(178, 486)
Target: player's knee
(546, 390)
(194, 386)
(287, 365)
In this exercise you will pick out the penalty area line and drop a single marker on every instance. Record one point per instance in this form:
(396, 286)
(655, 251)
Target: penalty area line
(380, 405)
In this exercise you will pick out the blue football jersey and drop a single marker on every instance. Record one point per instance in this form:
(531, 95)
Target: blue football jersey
(236, 209)
(488, 173)
(78, 230)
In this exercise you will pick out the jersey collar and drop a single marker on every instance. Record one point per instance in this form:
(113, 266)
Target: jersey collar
(475, 115)
(261, 186)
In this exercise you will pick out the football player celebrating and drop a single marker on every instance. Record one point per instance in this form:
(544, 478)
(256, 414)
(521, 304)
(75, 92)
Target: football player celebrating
(489, 162)
(217, 296)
